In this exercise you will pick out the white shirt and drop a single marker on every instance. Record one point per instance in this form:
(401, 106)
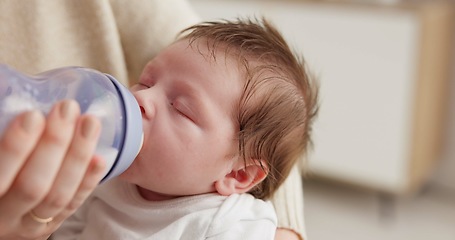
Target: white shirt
(117, 211)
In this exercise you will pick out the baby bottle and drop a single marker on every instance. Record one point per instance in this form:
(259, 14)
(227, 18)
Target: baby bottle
(98, 94)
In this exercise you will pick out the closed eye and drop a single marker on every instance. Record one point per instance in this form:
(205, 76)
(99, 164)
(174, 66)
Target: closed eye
(139, 86)
(144, 85)
(179, 108)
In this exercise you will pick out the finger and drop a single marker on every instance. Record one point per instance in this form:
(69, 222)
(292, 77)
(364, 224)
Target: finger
(16, 144)
(90, 182)
(31, 229)
(73, 168)
(36, 176)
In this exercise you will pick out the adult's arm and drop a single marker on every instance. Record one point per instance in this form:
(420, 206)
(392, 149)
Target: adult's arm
(289, 205)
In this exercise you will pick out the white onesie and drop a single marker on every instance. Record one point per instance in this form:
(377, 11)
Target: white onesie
(117, 211)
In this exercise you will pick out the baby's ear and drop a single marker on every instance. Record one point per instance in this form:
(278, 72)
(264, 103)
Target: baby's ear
(242, 178)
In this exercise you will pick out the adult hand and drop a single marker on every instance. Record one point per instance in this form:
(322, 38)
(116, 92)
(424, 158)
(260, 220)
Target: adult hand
(286, 234)
(47, 170)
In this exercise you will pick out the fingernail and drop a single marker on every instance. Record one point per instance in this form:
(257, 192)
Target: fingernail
(67, 109)
(89, 127)
(30, 121)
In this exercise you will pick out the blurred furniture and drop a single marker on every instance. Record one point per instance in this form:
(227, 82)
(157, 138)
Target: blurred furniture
(384, 73)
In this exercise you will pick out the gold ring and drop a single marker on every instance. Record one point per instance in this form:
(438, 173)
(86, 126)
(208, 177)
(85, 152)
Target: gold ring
(40, 220)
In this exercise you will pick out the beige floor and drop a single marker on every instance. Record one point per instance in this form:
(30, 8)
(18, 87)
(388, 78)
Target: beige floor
(339, 212)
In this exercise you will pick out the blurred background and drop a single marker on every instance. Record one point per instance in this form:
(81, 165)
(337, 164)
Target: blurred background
(383, 166)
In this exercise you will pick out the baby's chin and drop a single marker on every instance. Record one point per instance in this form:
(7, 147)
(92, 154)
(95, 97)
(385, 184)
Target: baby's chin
(130, 177)
(154, 196)
(127, 176)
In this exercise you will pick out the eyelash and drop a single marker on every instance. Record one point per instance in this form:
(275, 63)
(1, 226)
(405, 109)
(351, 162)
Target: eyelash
(179, 111)
(144, 85)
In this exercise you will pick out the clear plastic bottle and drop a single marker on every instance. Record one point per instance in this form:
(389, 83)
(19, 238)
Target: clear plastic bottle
(97, 93)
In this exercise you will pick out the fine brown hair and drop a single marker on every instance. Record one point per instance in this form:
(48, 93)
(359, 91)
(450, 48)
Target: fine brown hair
(279, 100)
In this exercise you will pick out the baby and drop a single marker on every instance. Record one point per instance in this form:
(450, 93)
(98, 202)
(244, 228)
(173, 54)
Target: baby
(227, 111)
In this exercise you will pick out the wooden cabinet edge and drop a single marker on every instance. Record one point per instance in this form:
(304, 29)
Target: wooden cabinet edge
(431, 93)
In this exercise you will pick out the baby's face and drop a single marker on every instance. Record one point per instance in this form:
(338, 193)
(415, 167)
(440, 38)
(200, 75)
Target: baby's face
(187, 102)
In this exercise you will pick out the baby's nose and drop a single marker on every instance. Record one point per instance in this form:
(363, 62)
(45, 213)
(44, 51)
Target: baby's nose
(145, 105)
